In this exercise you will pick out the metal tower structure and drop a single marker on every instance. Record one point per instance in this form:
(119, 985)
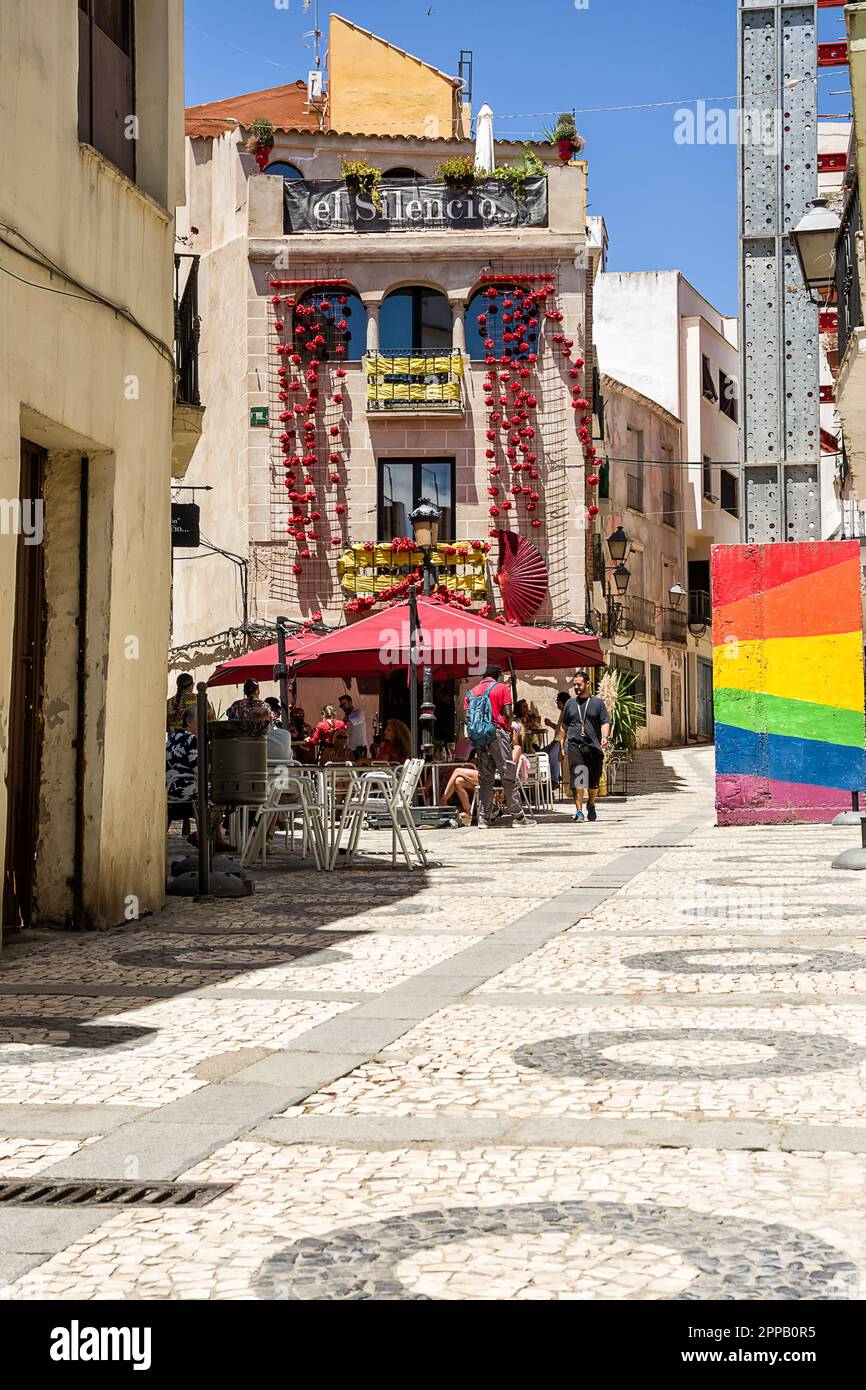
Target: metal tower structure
(780, 432)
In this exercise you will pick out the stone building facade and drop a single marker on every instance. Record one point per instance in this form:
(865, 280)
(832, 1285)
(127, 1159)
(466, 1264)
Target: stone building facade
(404, 411)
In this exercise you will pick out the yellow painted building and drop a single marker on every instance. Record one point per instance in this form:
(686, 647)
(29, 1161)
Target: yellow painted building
(377, 89)
(88, 191)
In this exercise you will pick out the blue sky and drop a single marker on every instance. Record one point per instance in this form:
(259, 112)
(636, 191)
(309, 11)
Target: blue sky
(667, 205)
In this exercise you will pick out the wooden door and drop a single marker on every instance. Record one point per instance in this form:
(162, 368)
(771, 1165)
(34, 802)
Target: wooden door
(25, 707)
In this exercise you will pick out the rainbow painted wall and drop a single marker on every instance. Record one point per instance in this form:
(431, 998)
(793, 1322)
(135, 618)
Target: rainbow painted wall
(788, 681)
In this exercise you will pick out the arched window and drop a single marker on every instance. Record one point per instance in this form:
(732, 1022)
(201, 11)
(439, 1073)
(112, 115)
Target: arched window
(415, 320)
(288, 171)
(325, 309)
(403, 175)
(500, 315)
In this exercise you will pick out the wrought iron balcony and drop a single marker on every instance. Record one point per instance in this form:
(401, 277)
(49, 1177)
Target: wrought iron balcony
(187, 326)
(641, 613)
(415, 381)
(700, 607)
(848, 288)
(411, 206)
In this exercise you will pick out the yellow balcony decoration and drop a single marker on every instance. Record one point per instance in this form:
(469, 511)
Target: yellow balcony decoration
(450, 391)
(457, 363)
(401, 391)
(382, 555)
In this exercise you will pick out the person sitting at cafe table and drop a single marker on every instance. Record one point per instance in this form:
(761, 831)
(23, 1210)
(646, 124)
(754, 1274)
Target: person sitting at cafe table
(181, 776)
(184, 698)
(462, 784)
(395, 746)
(252, 708)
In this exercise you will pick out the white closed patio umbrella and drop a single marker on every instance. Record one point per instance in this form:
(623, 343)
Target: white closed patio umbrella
(485, 159)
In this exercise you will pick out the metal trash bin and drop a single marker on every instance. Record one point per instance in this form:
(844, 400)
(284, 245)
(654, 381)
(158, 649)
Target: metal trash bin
(238, 763)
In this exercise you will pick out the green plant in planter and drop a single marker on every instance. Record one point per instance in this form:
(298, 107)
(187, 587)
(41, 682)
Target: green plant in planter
(626, 711)
(564, 134)
(528, 166)
(361, 177)
(261, 135)
(457, 172)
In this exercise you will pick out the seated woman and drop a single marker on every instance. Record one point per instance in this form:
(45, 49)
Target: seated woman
(396, 742)
(462, 784)
(181, 778)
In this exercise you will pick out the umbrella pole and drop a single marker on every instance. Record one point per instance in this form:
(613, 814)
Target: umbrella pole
(513, 682)
(282, 674)
(413, 676)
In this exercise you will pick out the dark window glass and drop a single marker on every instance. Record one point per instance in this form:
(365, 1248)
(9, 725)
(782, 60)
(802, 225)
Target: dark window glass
(656, 689)
(497, 315)
(332, 307)
(727, 396)
(729, 493)
(708, 478)
(288, 171)
(404, 175)
(403, 483)
(415, 320)
(707, 384)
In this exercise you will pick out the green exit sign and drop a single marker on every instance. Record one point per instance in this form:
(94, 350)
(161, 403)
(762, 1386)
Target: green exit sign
(258, 415)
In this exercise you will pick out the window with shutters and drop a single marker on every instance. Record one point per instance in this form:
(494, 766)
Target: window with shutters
(106, 80)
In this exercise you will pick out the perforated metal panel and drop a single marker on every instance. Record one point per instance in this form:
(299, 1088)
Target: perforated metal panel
(780, 429)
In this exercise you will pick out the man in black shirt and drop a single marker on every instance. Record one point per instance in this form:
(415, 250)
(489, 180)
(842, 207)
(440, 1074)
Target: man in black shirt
(584, 733)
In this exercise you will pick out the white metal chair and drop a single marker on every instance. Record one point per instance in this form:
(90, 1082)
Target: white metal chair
(386, 793)
(292, 795)
(539, 785)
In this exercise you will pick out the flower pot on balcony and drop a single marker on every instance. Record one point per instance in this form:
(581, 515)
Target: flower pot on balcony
(566, 150)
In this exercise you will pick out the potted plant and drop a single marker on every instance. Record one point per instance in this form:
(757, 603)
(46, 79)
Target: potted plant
(516, 176)
(362, 178)
(457, 172)
(564, 135)
(261, 141)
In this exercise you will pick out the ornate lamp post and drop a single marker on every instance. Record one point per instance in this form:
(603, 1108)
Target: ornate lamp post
(426, 520)
(619, 545)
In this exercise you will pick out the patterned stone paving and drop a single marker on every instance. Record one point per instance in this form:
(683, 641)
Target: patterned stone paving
(336, 1046)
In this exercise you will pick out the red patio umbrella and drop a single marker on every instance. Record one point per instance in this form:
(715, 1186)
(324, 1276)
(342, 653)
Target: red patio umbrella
(454, 644)
(259, 665)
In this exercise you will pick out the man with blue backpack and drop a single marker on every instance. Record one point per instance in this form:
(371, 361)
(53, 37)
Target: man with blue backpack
(488, 725)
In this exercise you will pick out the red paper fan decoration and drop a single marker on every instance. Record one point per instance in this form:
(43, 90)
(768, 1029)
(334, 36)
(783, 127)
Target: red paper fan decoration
(522, 576)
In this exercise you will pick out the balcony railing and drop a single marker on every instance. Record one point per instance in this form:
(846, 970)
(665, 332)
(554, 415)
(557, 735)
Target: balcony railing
(700, 607)
(674, 626)
(848, 289)
(406, 206)
(187, 325)
(641, 613)
(635, 493)
(430, 380)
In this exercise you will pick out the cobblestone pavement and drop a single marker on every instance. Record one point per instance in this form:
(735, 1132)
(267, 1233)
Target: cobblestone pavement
(622, 1060)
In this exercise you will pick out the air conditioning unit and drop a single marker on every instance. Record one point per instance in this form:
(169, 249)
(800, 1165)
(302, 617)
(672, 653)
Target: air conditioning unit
(314, 85)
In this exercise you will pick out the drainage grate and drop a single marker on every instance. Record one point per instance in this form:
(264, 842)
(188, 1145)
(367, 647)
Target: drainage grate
(35, 1192)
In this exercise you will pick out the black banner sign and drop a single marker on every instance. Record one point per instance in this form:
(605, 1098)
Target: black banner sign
(185, 525)
(407, 207)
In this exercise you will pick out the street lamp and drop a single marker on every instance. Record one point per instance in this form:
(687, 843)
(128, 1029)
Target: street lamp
(426, 520)
(619, 545)
(814, 238)
(676, 593)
